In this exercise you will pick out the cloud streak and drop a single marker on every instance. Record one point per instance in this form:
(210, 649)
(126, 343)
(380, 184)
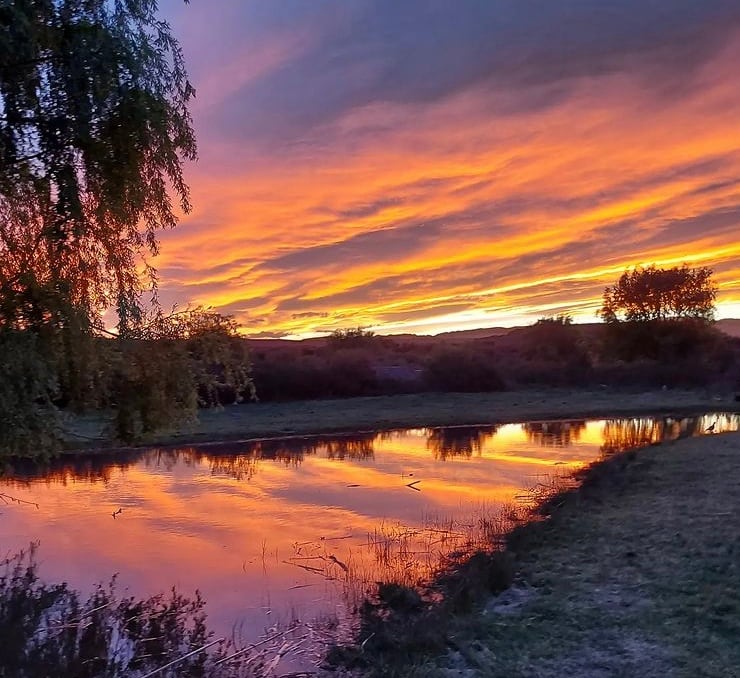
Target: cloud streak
(427, 166)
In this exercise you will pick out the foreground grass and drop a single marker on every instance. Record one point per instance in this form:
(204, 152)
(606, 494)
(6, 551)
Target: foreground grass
(635, 574)
(236, 422)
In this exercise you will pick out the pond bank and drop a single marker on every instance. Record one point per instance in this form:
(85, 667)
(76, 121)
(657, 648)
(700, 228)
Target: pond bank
(634, 573)
(239, 422)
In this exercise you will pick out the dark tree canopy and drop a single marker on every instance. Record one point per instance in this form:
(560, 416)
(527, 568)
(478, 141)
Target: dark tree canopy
(94, 127)
(655, 294)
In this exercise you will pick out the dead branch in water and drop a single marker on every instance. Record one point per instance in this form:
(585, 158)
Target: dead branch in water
(8, 499)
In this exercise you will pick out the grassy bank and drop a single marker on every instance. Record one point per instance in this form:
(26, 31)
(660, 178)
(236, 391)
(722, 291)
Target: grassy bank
(634, 574)
(237, 422)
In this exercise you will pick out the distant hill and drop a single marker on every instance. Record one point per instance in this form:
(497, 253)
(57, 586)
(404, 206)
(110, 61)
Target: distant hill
(729, 326)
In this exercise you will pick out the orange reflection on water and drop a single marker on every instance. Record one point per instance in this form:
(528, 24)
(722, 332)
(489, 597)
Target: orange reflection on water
(281, 528)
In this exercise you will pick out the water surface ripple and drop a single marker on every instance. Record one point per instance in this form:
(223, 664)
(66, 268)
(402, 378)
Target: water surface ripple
(268, 530)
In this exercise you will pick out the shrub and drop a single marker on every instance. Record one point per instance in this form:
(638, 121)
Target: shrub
(337, 373)
(350, 338)
(665, 340)
(29, 422)
(173, 364)
(349, 373)
(51, 630)
(462, 370)
(153, 387)
(284, 377)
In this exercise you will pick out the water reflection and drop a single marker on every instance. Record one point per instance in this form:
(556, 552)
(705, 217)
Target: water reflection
(354, 447)
(554, 433)
(271, 529)
(241, 461)
(624, 434)
(459, 441)
(628, 433)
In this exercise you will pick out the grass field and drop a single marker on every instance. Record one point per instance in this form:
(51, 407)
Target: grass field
(236, 422)
(635, 574)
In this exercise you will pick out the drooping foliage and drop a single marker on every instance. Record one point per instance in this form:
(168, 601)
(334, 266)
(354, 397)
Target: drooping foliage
(94, 126)
(29, 421)
(94, 129)
(173, 364)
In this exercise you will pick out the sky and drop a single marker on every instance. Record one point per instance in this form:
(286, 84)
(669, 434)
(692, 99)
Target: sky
(426, 165)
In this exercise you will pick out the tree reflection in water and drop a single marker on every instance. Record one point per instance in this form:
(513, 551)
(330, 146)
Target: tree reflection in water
(241, 460)
(624, 434)
(619, 435)
(459, 441)
(350, 447)
(554, 433)
(236, 460)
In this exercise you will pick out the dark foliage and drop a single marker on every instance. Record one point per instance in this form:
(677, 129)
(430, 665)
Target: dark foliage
(94, 126)
(29, 421)
(463, 371)
(51, 630)
(650, 293)
(152, 379)
(402, 624)
(346, 372)
(660, 340)
(171, 365)
(354, 337)
(551, 353)
(662, 315)
(94, 129)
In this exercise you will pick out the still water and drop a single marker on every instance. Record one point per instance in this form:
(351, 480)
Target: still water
(276, 530)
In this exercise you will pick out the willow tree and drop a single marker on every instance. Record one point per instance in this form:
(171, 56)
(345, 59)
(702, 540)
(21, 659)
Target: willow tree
(94, 130)
(94, 127)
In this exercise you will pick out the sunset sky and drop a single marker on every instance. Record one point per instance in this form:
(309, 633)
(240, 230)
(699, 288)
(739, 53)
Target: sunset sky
(429, 165)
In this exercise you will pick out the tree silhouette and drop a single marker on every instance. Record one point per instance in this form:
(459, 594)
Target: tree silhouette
(651, 293)
(660, 314)
(94, 127)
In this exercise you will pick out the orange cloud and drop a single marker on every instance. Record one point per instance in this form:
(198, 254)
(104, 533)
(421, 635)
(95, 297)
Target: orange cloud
(473, 209)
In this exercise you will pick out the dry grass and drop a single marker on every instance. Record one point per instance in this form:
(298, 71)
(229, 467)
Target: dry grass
(635, 574)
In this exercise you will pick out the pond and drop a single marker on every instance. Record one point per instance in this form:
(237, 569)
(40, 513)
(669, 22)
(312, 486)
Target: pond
(273, 531)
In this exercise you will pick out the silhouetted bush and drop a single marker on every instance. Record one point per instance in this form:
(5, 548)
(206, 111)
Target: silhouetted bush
(550, 339)
(551, 353)
(343, 373)
(675, 353)
(285, 377)
(354, 337)
(462, 370)
(29, 422)
(666, 340)
(573, 370)
(51, 630)
(349, 373)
